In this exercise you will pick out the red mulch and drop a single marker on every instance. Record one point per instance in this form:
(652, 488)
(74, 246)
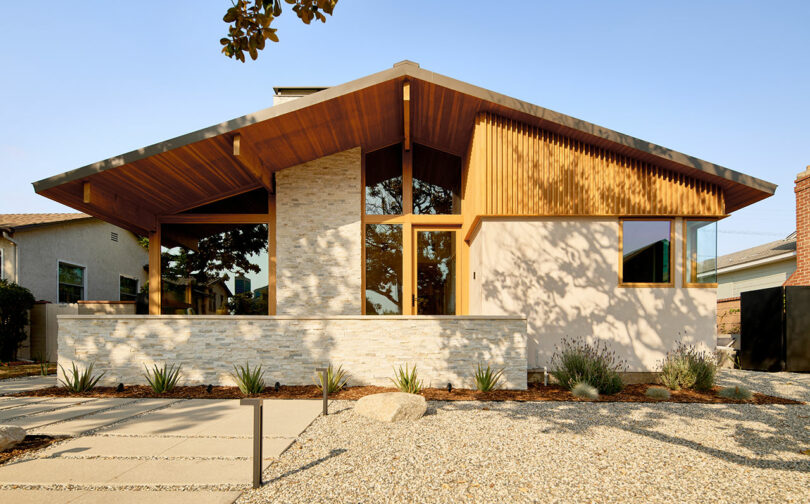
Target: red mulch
(631, 393)
(29, 444)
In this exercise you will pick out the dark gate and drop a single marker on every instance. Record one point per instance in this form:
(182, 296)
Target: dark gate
(762, 335)
(797, 328)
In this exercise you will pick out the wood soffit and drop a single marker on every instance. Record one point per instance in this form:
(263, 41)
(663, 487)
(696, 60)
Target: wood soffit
(201, 166)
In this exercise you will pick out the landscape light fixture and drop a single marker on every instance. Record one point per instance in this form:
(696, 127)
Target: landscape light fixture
(209, 388)
(278, 386)
(120, 387)
(449, 387)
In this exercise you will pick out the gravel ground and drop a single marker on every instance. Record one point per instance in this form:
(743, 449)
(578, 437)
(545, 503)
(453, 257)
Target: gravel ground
(551, 452)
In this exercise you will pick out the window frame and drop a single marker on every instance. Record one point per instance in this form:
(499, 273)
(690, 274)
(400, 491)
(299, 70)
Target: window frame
(693, 285)
(671, 282)
(408, 220)
(84, 279)
(137, 286)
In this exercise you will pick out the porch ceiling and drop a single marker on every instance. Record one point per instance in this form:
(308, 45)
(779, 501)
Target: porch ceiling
(130, 190)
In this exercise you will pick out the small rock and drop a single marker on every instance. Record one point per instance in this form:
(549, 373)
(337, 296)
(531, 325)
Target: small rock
(391, 406)
(10, 435)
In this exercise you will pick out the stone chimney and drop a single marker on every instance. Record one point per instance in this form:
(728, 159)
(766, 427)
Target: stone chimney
(802, 274)
(285, 94)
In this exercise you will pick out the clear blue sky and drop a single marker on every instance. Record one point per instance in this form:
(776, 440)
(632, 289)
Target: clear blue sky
(726, 81)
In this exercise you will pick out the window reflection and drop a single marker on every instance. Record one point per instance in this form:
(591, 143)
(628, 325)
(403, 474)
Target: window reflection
(384, 181)
(646, 251)
(436, 181)
(701, 252)
(384, 269)
(436, 272)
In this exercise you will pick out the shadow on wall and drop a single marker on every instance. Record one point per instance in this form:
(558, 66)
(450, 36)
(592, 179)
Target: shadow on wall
(562, 274)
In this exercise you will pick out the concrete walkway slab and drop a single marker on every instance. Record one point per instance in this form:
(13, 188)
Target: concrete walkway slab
(68, 413)
(33, 409)
(14, 385)
(117, 496)
(221, 447)
(185, 472)
(104, 418)
(112, 446)
(65, 471)
(13, 402)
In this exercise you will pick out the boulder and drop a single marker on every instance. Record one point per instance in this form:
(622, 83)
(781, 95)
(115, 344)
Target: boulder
(391, 406)
(10, 435)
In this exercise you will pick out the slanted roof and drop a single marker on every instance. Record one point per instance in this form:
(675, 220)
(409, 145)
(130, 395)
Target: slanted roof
(195, 168)
(764, 251)
(16, 222)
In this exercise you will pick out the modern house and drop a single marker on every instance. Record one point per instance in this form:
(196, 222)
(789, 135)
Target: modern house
(413, 218)
(65, 258)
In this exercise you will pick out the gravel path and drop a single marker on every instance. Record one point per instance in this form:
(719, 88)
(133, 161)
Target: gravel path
(550, 452)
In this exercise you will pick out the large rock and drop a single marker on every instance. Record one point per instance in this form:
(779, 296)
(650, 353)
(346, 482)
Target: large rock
(10, 435)
(391, 406)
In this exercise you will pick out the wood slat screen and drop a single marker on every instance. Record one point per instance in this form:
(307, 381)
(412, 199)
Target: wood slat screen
(516, 169)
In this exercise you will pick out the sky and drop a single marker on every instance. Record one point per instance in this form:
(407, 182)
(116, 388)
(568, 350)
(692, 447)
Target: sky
(724, 81)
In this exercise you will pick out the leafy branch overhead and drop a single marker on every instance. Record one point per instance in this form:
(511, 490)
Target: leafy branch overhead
(250, 22)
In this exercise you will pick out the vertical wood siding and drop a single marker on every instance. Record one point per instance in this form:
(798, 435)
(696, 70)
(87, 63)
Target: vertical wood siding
(516, 169)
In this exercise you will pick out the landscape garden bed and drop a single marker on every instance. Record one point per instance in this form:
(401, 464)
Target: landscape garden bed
(29, 444)
(18, 369)
(535, 392)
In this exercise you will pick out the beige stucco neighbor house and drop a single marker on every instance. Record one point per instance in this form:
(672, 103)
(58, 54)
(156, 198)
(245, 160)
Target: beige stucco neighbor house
(760, 267)
(413, 218)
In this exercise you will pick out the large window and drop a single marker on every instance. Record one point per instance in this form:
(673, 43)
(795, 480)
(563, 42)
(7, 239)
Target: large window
(436, 181)
(646, 253)
(700, 253)
(71, 283)
(384, 269)
(127, 289)
(384, 181)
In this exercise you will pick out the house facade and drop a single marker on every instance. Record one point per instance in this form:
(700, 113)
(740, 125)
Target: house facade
(760, 267)
(66, 258)
(415, 218)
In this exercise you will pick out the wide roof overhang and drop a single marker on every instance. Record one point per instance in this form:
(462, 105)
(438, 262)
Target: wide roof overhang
(132, 189)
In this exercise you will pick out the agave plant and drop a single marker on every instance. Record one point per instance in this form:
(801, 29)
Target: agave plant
(335, 379)
(487, 379)
(407, 381)
(249, 381)
(163, 379)
(79, 381)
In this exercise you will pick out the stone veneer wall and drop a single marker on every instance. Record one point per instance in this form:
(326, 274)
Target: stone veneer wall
(318, 238)
(444, 349)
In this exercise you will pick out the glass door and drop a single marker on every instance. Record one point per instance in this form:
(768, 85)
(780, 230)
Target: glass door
(436, 280)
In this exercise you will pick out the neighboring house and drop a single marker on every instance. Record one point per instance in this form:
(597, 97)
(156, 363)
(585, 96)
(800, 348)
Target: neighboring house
(65, 258)
(185, 294)
(414, 218)
(767, 265)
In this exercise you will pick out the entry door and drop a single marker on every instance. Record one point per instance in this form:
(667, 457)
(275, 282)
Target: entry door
(436, 271)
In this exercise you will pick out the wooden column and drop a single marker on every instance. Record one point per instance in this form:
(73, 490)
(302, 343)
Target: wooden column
(407, 235)
(271, 253)
(155, 285)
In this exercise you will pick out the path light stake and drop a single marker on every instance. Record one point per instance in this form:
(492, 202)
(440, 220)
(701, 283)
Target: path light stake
(325, 386)
(257, 439)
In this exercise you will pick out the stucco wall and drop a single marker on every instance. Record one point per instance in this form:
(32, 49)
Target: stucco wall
(7, 271)
(731, 284)
(562, 274)
(444, 349)
(318, 236)
(84, 243)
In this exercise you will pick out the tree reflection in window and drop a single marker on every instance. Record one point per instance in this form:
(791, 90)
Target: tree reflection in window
(436, 182)
(384, 269)
(384, 181)
(436, 272)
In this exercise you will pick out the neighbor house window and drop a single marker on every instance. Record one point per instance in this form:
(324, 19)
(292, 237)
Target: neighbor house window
(646, 252)
(71, 283)
(700, 253)
(128, 289)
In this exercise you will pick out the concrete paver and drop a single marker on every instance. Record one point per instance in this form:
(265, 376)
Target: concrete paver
(13, 402)
(64, 471)
(186, 472)
(32, 409)
(14, 385)
(117, 496)
(67, 413)
(103, 418)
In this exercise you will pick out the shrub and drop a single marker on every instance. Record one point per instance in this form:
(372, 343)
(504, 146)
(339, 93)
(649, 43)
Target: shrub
(657, 393)
(80, 381)
(685, 368)
(15, 301)
(335, 379)
(249, 381)
(576, 361)
(585, 391)
(737, 393)
(407, 381)
(486, 379)
(163, 379)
